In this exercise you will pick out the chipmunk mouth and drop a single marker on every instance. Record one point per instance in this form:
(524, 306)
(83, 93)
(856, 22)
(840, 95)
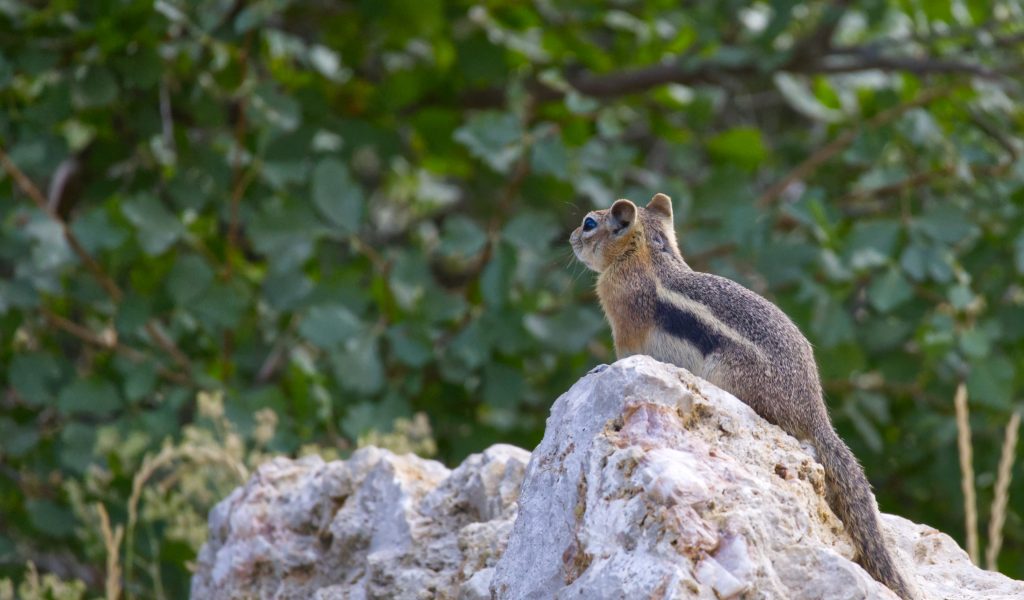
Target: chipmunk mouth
(580, 250)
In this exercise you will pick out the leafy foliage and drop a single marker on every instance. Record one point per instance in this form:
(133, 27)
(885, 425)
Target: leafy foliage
(344, 215)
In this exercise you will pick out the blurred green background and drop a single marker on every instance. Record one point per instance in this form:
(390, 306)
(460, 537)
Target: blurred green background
(230, 229)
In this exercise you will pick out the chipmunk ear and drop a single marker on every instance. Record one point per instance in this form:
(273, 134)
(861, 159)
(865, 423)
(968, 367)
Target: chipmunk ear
(662, 205)
(623, 215)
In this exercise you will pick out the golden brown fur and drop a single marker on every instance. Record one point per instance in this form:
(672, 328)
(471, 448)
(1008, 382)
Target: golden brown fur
(717, 329)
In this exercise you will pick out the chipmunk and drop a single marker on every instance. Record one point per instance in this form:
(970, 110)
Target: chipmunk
(721, 331)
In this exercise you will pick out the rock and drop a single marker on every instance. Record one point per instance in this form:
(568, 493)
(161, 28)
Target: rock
(377, 525)
(652, 483)
(649, 483)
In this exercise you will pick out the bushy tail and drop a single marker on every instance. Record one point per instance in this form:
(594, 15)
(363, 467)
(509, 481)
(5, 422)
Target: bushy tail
(849, 494)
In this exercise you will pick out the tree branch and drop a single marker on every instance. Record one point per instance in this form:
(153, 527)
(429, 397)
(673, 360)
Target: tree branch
(853, 60)
(840, 143)
(805, 60)
(612, 85)
(108, 342)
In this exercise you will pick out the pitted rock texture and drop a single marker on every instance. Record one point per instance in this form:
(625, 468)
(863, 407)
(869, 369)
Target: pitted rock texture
(377, 525)
(649, 483)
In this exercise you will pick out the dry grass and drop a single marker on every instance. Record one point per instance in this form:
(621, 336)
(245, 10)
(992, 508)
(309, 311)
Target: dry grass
(963, 438)
(1002, 493)
(112, 543)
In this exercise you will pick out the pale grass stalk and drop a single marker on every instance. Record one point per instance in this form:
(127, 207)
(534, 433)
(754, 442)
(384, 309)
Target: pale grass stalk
(963, 438)
(1006, 460)
(151, 464)
(112, 543)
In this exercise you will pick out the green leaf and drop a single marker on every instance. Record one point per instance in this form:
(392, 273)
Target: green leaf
(914, 261)
(132, 313)
(34, 376)
(76, 446)
(1018, 253)
(945, 223)
(50, 518)
(221, 306)
(991, 382)
(531, 230)
(409, 278)
(189, 277)
(871, 243)
(96, 232)
(286, 290)
(157, 228)
(831, 324)
(94, 86)
(336, 195)
(889, 291)
(366, 416)
(408, 347)
(549, 156)
(285, 233)
(493, 137)
(50, 249)
(462, 238)
(140, 381)
(92, 396)
(975, 343)
(741, 146)
(495, 281)
(961, 296)
(470, 347)
(921, 261)
(569, 330)
(329, 325)
(798, 94)
(18, 439)
(358, 367)
(276, 110)
(504, 387)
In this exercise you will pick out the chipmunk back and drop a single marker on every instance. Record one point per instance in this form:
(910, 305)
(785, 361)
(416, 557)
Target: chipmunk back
(721, 331)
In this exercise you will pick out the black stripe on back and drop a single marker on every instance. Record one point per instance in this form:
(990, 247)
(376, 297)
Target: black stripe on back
(686, 326)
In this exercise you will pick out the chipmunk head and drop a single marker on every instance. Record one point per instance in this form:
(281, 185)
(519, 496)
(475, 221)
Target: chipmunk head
(609, 235)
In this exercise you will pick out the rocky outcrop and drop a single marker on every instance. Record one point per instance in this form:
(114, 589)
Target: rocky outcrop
(377, 525)
(649, 483)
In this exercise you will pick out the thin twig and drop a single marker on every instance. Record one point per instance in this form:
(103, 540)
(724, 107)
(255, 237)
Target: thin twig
(1002, 497)
(1010, 145)
(108, 341)
(919, 179)
(33, 192)
(963, 439)
(168, 345)
(239, 182)
(840, 143)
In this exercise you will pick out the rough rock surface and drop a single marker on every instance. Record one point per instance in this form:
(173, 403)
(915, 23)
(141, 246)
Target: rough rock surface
(377, 525)
(649, 483)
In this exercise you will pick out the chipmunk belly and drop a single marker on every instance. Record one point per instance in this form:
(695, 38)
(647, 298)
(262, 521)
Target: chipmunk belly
(668, 348)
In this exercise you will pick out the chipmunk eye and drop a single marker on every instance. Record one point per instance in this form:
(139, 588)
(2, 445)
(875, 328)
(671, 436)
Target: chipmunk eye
(589, 223)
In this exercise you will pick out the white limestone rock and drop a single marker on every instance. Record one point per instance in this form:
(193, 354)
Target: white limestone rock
(378, 525)
(649, 483)
(652, 483)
